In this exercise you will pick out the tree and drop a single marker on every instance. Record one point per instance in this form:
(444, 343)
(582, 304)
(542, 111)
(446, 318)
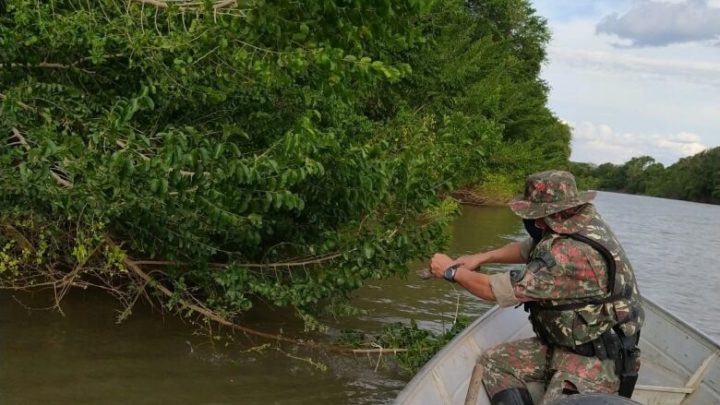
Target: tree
(694, 178)
(277, 151)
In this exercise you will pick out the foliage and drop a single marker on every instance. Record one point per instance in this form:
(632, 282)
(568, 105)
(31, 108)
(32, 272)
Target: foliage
(275, 151)
(584, 175)
(499, 187)
(694, 178)
(420, 344)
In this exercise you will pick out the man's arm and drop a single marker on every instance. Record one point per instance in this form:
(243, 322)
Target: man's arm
(477, 283)
(495, 287)
(512, 253)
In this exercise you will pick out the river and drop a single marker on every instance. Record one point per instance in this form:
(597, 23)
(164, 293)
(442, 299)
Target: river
(84, 356)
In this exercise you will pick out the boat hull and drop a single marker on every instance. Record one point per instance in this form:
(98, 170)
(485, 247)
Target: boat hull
(679, 363)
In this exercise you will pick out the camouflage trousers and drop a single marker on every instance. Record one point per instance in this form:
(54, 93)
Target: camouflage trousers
(513, 364)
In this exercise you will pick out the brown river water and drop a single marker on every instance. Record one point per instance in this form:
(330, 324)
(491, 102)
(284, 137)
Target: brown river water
(84, 357)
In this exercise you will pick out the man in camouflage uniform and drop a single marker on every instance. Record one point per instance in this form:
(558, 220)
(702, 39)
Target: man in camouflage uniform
(579, 288)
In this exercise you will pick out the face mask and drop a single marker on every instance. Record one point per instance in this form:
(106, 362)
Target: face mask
(534, 232)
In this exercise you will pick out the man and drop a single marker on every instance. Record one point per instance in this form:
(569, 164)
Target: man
(579, 288)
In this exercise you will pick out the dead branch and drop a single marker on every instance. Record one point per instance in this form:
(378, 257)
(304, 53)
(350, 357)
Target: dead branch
(186, 4)
(156, 3)
(69, 279)
(17, 135)
(60, 180)
(46, 65)
(210, 315)
(18, 237)
(47, 277)
(316, 260)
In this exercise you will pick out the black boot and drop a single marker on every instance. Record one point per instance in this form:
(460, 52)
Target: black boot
(512, 396)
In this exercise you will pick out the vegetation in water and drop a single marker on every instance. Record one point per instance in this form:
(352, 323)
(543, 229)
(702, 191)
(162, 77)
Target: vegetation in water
(419, 345)
(694, 178)
(214, 154)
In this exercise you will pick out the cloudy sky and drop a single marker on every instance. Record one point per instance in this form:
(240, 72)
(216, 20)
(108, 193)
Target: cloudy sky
(635, 77)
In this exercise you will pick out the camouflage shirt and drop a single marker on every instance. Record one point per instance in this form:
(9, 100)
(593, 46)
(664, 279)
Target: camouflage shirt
(561, 270)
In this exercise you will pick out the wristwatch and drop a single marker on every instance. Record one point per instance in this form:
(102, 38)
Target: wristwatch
(449, 274)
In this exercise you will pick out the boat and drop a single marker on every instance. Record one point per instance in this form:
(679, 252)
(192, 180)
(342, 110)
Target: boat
(679, 363)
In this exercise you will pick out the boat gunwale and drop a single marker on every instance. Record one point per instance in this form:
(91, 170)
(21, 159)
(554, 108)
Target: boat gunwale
(405, 394)
(713, 343)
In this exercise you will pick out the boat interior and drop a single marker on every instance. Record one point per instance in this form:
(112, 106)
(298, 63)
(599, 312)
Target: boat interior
(680, 365)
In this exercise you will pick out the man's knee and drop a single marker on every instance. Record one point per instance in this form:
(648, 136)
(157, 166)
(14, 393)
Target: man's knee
(492, 357)
(498, 373)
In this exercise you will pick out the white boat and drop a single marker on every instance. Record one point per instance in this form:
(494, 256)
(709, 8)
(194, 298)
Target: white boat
(679, 363)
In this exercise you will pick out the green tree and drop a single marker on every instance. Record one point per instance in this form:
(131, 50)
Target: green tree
(611, 176)
(637, 172)
(584, 175)
(694, 178)
(277, 151)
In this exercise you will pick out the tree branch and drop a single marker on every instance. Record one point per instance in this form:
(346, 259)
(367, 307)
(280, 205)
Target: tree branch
(60, 180)
(17, 135)
(156, 3)
(46, 65)
(20, 140)
(21, 104)
(186, 4)
(209, 314)
(317, 260)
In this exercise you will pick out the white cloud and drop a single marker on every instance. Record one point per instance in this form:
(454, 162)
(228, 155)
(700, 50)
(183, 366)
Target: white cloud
(698, 72)
(595, 143)
(653, 100)
(660, 23)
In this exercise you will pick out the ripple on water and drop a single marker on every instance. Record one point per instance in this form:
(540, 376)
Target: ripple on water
(673, 246)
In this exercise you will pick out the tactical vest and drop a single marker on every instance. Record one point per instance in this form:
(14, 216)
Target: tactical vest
(573, 322)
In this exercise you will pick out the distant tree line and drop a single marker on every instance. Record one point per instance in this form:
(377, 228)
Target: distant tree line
(694, 178)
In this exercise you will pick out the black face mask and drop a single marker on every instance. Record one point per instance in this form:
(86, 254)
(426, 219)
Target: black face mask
(534, 232)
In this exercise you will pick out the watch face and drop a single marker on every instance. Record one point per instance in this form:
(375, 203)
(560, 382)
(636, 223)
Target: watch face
(450, 273)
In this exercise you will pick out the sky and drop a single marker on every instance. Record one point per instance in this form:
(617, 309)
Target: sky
(635, 77)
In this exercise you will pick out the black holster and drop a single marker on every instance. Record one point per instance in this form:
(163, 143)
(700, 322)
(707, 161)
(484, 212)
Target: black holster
(627, 365)
(614, 345)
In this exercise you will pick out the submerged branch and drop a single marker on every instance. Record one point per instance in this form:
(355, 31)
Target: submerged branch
(202, 310)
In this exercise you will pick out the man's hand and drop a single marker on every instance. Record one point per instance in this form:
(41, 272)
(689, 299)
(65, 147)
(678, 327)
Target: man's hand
(472, 262)
(477, 283)
(439, 263)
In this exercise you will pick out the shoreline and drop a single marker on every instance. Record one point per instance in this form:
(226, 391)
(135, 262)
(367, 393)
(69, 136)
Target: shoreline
(479, 199)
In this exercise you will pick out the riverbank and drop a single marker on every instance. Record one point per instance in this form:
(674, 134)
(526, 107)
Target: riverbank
(496, 190)
(85, 357)
(165, 359)
(479, 199)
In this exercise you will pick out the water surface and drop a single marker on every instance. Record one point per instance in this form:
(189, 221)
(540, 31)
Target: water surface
(85, 357)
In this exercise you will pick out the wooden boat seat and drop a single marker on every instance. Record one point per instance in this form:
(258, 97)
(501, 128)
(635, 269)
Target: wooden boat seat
(670, 395)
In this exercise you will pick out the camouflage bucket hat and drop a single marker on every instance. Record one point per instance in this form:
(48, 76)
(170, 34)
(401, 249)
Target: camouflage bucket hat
(547, 193)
